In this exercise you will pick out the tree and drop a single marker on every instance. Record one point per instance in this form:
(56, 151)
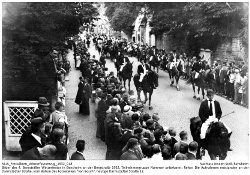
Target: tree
(31, 29)
(200, 24)
(122, 15)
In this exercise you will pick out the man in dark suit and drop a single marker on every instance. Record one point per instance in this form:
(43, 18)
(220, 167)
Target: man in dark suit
(210, 111)
(78, 155)
(47, 71)
(217, 76)
(86, 96)
(33, 136)
(206, 111)
(192, 149)
(222, 76)
(101, 115)
(197, 67)
(79, 95)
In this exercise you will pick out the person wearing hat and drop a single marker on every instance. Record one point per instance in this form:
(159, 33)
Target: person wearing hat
(126, 117)
(125, 101)
(40, 111)
(132, 150)
(102, 107)
(45, 153)
(33, 136)
(113, 135)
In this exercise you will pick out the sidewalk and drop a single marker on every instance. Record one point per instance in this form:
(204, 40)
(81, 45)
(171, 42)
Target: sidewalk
(81, 127)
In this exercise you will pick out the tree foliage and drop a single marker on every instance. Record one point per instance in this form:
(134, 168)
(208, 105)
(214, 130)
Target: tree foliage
(122, 14)
(31, 29)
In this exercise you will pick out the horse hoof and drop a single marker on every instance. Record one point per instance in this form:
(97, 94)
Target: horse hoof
(194, 97)
(198, 98)
(150, 107)
(178, 89)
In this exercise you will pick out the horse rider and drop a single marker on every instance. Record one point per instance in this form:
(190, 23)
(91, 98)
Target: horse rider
(210, 111)
(197, 67)
(153, 52)
(123, 62)
(142, 69)
(172, 59)
(179, 61)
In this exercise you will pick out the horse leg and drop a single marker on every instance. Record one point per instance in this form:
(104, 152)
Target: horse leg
(198, 98)
(177, 81)
(150, 94)
(138, 95)
(194, 90)
(146, 98)
(124, 82)
(171, 80)
(129, 84)
(203, 92)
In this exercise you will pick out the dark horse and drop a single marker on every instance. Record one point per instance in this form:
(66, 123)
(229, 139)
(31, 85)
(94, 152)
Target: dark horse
(155, 63)
(216, 142)
(147, 85)
(126, 74)
(202, 80)
(175, 73)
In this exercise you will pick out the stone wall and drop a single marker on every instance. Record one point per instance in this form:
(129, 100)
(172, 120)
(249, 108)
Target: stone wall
(233, 49)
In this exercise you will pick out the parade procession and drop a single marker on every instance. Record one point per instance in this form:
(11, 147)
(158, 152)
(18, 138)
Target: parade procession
(125, 81)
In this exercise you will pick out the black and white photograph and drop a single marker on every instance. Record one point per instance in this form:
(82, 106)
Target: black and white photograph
(150, 81)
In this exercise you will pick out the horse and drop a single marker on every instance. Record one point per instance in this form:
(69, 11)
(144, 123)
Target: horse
(147, 85)
(126, 74)
(154, 62)
(202, 80)
(217, 140)
(175, 73)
